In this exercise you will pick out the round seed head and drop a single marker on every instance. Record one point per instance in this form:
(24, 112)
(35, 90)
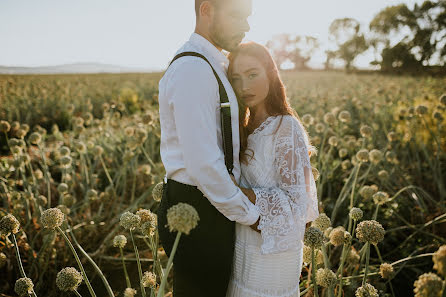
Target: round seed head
(345, 116)
(306, 255)
(119, 241)
(383, 175)
(129, 292)
(129, 220)
(428, 285)
(329, 118)
(148, 280)
(367, 192)
(362, 155)
(439, 259)
(157, 192)
(380, 198)
(366, 131)
(24, 286)
(4, 127)
(182, 217)
(366, 291)
(313, 237)
(52, 218)
(35, 138)
(307, 119)
(337, 236)
(325, 277)
(62, 188)
(322, 222)
(356, 213)
(386, 270)
(68, 279)
(375, 156)
(64, 151)
(333, 141)
(9, 224)
(370, 231)
(319, 127)
(343, 152)
(421, 109)
(98, 150)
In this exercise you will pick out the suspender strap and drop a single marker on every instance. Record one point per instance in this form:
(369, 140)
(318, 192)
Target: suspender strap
(225, 113)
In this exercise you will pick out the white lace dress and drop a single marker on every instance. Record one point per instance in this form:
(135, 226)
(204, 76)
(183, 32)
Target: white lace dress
(268, 264)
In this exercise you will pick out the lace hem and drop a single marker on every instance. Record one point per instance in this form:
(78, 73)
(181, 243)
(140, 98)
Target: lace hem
(288, 293)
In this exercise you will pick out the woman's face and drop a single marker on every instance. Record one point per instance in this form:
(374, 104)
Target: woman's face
(249, 80)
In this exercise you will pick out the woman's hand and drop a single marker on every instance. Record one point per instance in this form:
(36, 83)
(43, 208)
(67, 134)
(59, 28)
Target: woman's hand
(255, 225)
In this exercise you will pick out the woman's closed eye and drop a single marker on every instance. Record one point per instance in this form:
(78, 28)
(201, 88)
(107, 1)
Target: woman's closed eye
(252, 75)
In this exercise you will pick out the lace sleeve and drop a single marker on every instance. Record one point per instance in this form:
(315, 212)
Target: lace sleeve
(285, 209)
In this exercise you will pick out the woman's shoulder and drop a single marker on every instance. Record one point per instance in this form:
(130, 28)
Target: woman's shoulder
(287, 123)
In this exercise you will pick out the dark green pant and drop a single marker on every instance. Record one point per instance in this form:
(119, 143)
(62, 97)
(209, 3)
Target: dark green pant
(203, 260)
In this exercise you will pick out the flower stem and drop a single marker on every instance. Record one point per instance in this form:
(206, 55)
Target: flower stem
(143, 290)
(127, 279)
(19, 260)
(87, 282)
(313, 272)
(169, 266)
(367, 257)
(77, 293)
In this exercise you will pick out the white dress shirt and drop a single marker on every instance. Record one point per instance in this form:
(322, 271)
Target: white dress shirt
(191, 141)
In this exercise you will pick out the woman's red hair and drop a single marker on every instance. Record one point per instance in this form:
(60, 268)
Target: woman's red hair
(276, 101)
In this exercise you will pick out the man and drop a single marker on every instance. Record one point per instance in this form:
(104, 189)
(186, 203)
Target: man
(192, 151)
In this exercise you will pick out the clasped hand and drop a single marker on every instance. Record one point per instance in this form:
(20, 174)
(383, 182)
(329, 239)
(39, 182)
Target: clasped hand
(251, 196)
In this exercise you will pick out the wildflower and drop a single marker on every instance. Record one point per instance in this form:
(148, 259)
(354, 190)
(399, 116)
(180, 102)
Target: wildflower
(356, 213)
(62, 188)
(64, 151)
(9, 224)
(313, 237)
(120, 241)
(316, 139)
(366, 291)
(105, 107)
(129, 220)
(4, 127)
(140, 135)
(383, 175)
(329, 118)
(78, 121)
(52, 218)
(333, 141)
(367, 192)
(362, 155)
(24, 286)
(344, 116)
(129, 292)
(391, 157)
(157, 192)
(129, 131)
(68, 200)
(343, 152)
(443, 99)
(345, 164)
(380, 198)
(375, 156)
(421, 109)
(35, 138)
(319, 127)
(337, 236)
(20, 133)
(148, 280)
(2, 260)
(325, 277)
(98, 150)
(65, 161)
(64, 209)
(306, 255)
(307, 119)
(148, 228)
(386, 270)
(428, 285)
(366, 131)
(353, 257)
(322, 222)
(92, 194)
(146, 216)
(370, 231)
(68, 279)
(145, 169)
(347, 237)
(81, 147)
(315, 173)
(439, 259)
(328, 231)
(70, 108)
(182, 217)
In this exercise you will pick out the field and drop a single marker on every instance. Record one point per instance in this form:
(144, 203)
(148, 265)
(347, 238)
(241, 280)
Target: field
(80, 165)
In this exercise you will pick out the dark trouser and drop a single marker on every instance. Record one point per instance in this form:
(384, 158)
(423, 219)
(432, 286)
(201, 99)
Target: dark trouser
(202, 263)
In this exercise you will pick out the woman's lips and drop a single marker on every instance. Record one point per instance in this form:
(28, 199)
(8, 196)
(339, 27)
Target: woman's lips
(247, 97)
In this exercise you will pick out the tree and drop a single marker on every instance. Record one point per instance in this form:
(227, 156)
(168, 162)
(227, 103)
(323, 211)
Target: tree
(350, 42)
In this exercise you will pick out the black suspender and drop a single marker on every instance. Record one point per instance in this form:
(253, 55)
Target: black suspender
(225, 113)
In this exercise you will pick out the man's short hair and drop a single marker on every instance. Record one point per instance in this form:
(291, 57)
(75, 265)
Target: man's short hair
(198, 3)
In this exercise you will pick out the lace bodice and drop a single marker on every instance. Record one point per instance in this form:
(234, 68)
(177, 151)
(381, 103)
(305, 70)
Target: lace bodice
(280, 175)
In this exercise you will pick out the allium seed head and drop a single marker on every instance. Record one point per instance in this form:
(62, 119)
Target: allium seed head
(120, 241)
(375, 156)
(129, 220)
(182, 217)
(307, 119)
(98, 150)
(380, 198)
(148, 280)
(383, 175)
(356, 213)
(428, 285)
(157, 192)
(439, 259)
(24, 286)
(367, 192)
(62, 188)
(443, 99)
(386, 270)
(64, 151)
(313, 237)
(4, 127)
(343, 152)
(325, 277)
(329, 118)
(68, 279)
(333, 141)
(366, 291)
(319, 127)
(35, 138)
(421, 109)
(366, 131)
(322, 222)
(370, 231)
(52, 218)
(129, 292)
(345, 116)
(9, 224)
(337, 236)
(362, 155)
(306, 255)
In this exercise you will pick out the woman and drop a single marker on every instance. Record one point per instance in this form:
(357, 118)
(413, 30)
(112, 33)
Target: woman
(276, 176)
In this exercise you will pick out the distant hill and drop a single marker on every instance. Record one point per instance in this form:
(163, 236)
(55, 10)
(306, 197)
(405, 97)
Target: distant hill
(72, 68)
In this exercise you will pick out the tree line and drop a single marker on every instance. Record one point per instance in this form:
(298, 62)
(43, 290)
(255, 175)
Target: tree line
(402, 40)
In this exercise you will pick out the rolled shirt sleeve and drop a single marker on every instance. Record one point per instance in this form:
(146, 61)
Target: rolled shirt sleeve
(195, 103)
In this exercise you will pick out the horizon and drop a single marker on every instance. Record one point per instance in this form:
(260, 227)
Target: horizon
(134, 34)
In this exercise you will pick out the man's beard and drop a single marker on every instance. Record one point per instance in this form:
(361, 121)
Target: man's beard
(225, 42)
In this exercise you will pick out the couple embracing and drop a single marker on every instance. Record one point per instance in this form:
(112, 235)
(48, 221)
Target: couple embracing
(234, 149)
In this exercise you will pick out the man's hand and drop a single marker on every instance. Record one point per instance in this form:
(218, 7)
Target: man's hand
(255, 225)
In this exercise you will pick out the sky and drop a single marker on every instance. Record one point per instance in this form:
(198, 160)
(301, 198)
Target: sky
(147, 33)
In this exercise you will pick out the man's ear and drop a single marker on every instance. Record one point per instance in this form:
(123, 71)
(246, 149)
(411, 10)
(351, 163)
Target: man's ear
(206, 9)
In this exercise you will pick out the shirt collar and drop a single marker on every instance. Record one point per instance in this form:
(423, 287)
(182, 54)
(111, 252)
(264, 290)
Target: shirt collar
(210, 49)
